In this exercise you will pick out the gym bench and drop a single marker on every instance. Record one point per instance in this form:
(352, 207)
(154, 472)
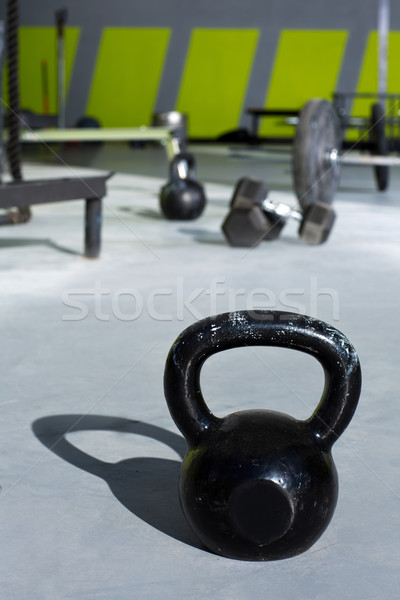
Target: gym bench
(258, 113)
(42, 191)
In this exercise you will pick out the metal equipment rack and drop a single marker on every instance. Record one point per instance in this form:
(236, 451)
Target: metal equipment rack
(21, 194)
(342, 103)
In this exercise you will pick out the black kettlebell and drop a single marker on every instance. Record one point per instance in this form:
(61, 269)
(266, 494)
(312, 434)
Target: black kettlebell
(182, 198)
(259, 484)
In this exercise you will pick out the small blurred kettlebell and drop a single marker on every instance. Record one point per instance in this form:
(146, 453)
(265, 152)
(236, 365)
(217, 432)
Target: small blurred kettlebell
(182, 198)
(259, 484)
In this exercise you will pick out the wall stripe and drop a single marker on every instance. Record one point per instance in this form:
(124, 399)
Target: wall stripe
(307, 65)
(215, 79)
(127, 75)
(368, 80)
(37, 44)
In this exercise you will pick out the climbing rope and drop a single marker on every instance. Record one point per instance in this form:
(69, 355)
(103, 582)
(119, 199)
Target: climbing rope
(23, 213)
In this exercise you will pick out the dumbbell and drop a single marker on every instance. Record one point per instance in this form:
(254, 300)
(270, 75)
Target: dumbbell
(253, 217)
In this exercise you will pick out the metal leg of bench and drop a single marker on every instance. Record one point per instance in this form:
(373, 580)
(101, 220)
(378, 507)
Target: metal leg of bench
(92, 227)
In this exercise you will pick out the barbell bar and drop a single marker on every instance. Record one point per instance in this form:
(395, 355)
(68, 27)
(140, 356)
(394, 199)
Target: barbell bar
(163, 135)
(349, 159)
(95, 134)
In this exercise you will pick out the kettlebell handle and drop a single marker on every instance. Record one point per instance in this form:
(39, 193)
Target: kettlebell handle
(262, 328)
(186, 157)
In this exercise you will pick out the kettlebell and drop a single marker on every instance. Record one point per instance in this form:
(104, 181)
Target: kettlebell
(260, 484)
(182, 198)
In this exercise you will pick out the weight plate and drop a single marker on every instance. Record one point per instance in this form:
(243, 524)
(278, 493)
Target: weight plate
(318, 133)
(379, 145)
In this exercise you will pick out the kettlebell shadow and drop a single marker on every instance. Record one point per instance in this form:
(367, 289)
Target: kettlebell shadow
(146, 486)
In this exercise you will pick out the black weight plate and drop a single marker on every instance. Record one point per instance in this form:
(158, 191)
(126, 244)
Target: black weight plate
(86, 122)
(379, 145)
(318, 132)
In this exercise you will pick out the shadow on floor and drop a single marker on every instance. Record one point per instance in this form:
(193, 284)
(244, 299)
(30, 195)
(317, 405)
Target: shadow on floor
(203, 236)
(146, 213)
(146, 486)
(22, 242)
(149, 214)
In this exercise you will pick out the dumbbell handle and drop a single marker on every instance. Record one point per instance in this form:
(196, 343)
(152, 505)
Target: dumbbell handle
(281, 210)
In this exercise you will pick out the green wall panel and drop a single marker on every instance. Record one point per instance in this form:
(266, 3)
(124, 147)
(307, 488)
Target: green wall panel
(368, 80)
(307, 65)
(37, 44)
(215, 79)
(126, 79)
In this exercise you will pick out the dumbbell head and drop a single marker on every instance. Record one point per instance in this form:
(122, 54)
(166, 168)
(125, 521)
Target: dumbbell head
(255, 191)
(317, 223)
(245, 225)
(249, 190)
(248, 222)
(276, 224)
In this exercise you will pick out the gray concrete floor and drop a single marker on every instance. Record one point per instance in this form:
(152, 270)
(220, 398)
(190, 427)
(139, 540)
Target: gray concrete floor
(90, 455)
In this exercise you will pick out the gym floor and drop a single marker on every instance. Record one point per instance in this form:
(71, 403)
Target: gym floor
(90, 454)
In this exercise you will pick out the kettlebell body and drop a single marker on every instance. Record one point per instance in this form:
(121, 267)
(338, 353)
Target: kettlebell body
(257, 488)
(259, 484)
(182, 198)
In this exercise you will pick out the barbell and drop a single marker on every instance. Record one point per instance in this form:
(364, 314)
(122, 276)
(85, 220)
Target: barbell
(318, 156)
(181, 198)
